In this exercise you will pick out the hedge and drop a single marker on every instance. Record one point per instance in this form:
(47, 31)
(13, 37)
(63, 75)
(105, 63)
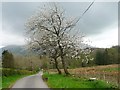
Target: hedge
(10, 72)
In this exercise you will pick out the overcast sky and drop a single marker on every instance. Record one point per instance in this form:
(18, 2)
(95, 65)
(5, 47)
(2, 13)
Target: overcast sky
(99, 24)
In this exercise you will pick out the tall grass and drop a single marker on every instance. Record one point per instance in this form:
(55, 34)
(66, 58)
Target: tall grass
(9, 72)
(109, 73)
(9, 76)
(62, 81)
(8, 81)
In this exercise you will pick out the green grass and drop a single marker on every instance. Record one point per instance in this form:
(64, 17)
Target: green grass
(0, 82)
(62, 81)
(10, 80)
(10, 76)
(111, 69)
(0, 78)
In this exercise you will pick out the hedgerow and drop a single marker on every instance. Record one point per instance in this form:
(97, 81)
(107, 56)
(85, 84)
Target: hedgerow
(10, 72)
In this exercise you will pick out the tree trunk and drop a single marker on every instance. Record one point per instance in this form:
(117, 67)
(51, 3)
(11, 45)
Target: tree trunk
(56, 65)
(62, 59)
(64, 66)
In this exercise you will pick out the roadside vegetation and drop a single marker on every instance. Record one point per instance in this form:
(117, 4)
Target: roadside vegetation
(107, 73)
(0, 82)
(10, 76)
(8, 81)
(63, 81)
(9, 73)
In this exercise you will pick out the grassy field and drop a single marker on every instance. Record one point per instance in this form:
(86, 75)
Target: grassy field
(10, 80)
(0, 82)
(62, 81)
(0, 77)
(108, 73)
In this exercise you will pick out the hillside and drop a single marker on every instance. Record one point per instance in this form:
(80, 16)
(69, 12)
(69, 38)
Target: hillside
(15, 49)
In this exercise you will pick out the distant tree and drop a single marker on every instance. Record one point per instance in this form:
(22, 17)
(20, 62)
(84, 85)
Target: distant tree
(113, 54)
(106, 57)
(7, 59)
(99, 57)
(118, 55)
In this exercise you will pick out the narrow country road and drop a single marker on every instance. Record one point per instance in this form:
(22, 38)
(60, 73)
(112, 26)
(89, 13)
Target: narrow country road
(33, 81)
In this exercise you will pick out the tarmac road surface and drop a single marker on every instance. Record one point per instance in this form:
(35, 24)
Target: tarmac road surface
(33, 81)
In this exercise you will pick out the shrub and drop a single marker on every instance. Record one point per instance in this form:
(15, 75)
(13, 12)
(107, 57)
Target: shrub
(10, 72)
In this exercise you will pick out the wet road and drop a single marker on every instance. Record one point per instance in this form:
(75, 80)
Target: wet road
(33, 81)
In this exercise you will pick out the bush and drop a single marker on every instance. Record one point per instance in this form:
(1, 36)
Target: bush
(0, 71)
(10, 72)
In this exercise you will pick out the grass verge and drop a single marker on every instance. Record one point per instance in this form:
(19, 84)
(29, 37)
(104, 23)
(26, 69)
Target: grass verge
(111, 69)
(8, 81)
(10, 76)
(62, 81)
(0, 82)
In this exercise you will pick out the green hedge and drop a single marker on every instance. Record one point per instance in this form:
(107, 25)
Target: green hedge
(10, 72)
(0, 71)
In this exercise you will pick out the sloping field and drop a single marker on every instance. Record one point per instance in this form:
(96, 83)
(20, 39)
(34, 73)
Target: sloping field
(109, 73)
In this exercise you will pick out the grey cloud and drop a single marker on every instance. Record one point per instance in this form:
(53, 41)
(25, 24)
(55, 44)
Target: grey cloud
(16, 14)
(99, 16)
(119, 23)
(0, 11)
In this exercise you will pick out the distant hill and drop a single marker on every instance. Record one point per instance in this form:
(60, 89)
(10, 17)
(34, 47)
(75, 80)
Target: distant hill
(21, 50)
(15, 49)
